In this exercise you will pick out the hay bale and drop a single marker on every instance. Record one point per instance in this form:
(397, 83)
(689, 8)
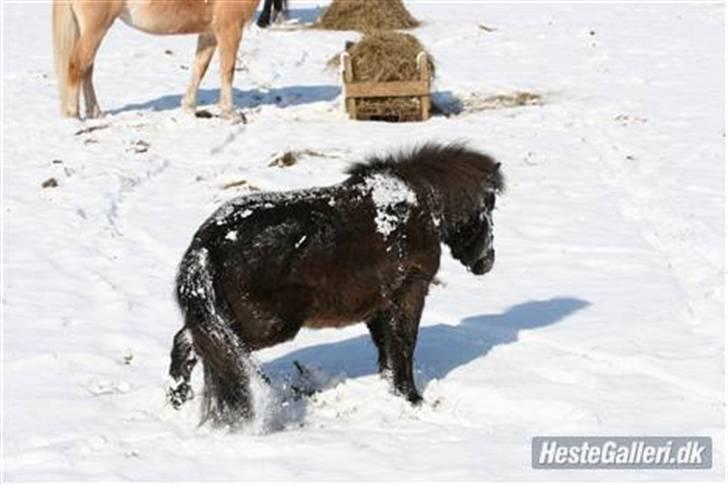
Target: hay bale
(366, 16)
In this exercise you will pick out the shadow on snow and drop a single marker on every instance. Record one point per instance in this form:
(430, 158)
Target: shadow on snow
(440, 348)
(304, 16)
(282, 97)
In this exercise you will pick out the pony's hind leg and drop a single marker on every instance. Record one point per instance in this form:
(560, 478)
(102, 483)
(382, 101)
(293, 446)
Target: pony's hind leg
(206, 44)
(180, 368)
(226, 395)
(228, 38)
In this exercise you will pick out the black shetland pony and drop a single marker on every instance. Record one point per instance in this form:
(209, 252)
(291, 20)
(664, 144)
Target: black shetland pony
(278, 6)
(365, 250)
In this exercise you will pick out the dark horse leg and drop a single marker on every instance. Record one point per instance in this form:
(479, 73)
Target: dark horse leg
(180, 369)
(269, 5)
(394, 332)
(210, 323)
(377, 325)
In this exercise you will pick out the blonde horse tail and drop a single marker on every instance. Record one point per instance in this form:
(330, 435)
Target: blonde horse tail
(65, 35)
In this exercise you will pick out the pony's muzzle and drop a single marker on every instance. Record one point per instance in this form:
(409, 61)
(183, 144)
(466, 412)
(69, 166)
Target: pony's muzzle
(485, 264)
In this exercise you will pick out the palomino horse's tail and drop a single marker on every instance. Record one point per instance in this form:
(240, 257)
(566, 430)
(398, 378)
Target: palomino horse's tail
(65, 35)
(227, 363)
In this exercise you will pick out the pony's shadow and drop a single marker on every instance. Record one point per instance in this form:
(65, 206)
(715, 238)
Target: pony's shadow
(440, 348)
(281, 97)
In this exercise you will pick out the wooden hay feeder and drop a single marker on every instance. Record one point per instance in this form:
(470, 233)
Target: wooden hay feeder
(395, 101)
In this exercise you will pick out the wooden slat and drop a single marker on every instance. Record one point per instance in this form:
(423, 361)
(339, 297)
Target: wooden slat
(348, 78)
(423, 63)
(357, 90)
(386, 90)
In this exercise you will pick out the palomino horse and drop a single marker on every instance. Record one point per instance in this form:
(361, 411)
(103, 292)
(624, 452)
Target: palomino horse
(79, 27)
(366, 250)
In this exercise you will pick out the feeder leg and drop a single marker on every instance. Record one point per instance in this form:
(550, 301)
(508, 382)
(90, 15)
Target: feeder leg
(425, 102)
(348, 78)
(423, 64)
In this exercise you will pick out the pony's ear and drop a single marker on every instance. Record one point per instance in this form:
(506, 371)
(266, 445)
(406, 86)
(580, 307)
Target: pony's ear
(497, 166)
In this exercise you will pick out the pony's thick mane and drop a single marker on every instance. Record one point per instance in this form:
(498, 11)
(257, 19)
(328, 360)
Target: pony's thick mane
(455, 174)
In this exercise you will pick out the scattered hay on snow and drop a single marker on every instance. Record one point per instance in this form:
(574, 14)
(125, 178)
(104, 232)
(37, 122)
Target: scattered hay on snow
(287, 159)
(290, 158)
(477, 102)
(499, 101)
(50, 183)
(240, 184)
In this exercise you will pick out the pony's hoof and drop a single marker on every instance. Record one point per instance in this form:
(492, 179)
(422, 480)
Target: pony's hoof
(414, 398)
(179, 395)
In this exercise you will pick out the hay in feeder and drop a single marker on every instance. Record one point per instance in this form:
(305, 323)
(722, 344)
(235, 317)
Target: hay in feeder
(389, 109)
(366, 16)
(382, 57)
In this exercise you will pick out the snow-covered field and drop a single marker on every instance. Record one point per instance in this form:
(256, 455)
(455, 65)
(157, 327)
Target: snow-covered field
(602, 316)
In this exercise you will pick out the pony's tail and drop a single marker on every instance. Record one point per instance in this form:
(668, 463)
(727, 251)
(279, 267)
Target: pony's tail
(65, 35)
(227, 363)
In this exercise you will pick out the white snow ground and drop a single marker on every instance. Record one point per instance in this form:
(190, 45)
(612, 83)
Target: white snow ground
(602, 316)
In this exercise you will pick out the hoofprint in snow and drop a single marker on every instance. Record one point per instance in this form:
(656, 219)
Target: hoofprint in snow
(603, 314)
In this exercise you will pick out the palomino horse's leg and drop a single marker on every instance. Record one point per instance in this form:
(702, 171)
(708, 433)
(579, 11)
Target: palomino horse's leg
(206, 44)
(89, 94)
(228, 38)
(93, 27)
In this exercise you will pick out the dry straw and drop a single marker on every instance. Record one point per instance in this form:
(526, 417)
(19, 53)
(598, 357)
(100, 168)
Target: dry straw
(382, 55)
(387, 56)
(366, 16)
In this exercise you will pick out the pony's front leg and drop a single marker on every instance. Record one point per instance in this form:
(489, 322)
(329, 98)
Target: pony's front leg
(206, 44)
(395, 333)
(228, 38)
(378, 329)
